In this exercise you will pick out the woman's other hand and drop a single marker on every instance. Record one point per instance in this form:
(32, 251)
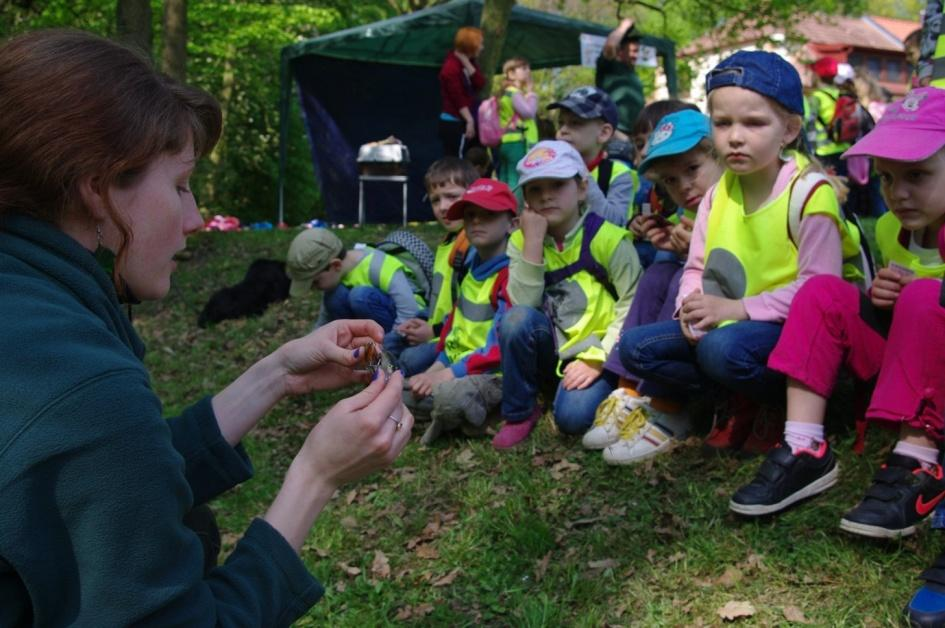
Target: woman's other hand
(325, 359)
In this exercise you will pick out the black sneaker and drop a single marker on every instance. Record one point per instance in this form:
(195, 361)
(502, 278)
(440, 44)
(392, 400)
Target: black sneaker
(902, 494)
(785, 478)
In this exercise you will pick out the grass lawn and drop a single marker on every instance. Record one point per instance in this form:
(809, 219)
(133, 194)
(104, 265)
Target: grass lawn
(544, 535)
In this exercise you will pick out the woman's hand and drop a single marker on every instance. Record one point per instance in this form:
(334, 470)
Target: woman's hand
(887, 284)
(706, 311)
(470, 131)
(416, 330)
(360, 434)
(325, 359)
(579, 374)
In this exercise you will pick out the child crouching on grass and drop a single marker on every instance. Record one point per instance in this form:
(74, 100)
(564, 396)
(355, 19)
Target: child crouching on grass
(572, 277)
(464, 381)
(682, 159)
(744, 265)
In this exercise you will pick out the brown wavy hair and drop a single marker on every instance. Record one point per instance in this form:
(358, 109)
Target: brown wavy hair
(78, 107)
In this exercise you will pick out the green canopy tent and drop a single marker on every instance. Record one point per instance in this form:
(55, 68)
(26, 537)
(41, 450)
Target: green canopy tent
(366, 83)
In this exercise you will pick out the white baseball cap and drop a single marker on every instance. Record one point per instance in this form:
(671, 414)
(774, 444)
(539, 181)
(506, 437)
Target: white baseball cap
(551, 159)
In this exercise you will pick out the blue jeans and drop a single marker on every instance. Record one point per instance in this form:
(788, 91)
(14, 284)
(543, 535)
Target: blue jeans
(411, 359)
(735, 356)
(361, 302)
(529, 364)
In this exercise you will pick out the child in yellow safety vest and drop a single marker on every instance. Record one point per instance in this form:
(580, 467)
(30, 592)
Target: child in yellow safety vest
(572, 277)
(682, 159)
(359, 283)
(744, 264)
(518, 106)
(464, 381)
(587, 119)
(896, 332)
(413, 345)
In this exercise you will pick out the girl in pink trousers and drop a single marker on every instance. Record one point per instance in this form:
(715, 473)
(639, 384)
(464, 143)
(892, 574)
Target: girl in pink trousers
(895, 332)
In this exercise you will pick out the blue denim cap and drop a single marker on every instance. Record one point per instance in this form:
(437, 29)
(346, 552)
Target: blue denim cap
(589, 103)
(675, 134)
(763, 72)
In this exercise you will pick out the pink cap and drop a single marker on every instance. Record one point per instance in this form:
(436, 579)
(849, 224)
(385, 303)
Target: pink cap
(912, 129)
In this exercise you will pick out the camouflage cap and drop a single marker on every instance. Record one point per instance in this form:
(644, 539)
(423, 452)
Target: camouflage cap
(589, 103)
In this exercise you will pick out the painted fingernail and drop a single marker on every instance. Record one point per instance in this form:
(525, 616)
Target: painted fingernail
(357, 352)
(376, 373)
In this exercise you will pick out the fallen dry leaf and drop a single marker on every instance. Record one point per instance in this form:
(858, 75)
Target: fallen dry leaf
(651, 555)
(351, 496)
(410, 612)
(731, 577)
(542, 567)
(446, 580)
(466, 458)
(348, 569)
(563, 468)
(607, 563)
(427, 551)
(675, 558)
(735, 610)
(349, 523)
(795, 615)
(380, 568)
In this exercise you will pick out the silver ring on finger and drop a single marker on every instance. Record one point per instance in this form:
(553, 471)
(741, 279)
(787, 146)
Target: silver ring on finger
(399, 423)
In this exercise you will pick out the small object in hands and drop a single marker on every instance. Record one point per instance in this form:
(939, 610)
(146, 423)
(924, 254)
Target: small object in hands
(695, 332)
(377, 361)
(905, 271)
(399, 423)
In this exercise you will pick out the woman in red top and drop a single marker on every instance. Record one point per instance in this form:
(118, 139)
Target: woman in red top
(460, 80)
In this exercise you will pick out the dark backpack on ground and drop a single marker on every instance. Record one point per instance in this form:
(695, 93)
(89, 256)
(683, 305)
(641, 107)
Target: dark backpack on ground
(415, 255)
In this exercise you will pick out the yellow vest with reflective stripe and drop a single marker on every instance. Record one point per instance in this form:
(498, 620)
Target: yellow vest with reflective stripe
(472, 317)
(618, 169)
(442, 283)
(747, 254)
(377, 269)
(581, 308)
(826, 106)
(891, 249)
(507, 112)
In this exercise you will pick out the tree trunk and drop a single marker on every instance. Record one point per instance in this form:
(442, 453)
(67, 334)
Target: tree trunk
(174, 53)
(134, 24)
(495, 26)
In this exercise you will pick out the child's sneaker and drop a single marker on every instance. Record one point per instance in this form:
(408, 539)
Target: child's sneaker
(731, 423)
(786, 478)
(611, 414)
(511, 434)
(927, 606)
(647, 433)
(903, 493)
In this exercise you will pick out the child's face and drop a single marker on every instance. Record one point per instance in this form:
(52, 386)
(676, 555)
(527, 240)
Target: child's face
(329, 278)
(441, 198)
(915, 191)
(486, 229)
(558, 200)
(521, 74)
(586, 136)
(686, 177)
(747, 130)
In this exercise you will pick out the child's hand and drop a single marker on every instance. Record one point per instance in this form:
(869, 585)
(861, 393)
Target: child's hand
(422, 384)
(687, 332)
(886, 287)
(658, 233)
(636, 225)
(579, 374)
(416, 331)
(706, 311)
(534, 226)
(681, 235)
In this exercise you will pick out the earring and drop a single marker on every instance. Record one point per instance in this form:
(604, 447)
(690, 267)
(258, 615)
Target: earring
(783, 155)
(98, 235)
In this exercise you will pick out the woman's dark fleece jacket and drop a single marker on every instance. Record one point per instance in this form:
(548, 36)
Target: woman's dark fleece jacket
(94, 483)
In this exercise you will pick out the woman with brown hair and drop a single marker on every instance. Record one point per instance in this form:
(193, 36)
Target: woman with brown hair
(460, 81)
(97, 151)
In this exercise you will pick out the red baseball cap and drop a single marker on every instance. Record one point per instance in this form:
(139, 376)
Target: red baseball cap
(825, 68)
(489, 194)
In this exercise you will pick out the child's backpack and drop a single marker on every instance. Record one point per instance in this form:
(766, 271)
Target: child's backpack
(415, 255)
(490, 129)
(858, 267)
(850, 121)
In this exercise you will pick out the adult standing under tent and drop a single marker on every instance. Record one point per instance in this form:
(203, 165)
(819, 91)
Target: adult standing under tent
(616, 75)
(460, 80)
